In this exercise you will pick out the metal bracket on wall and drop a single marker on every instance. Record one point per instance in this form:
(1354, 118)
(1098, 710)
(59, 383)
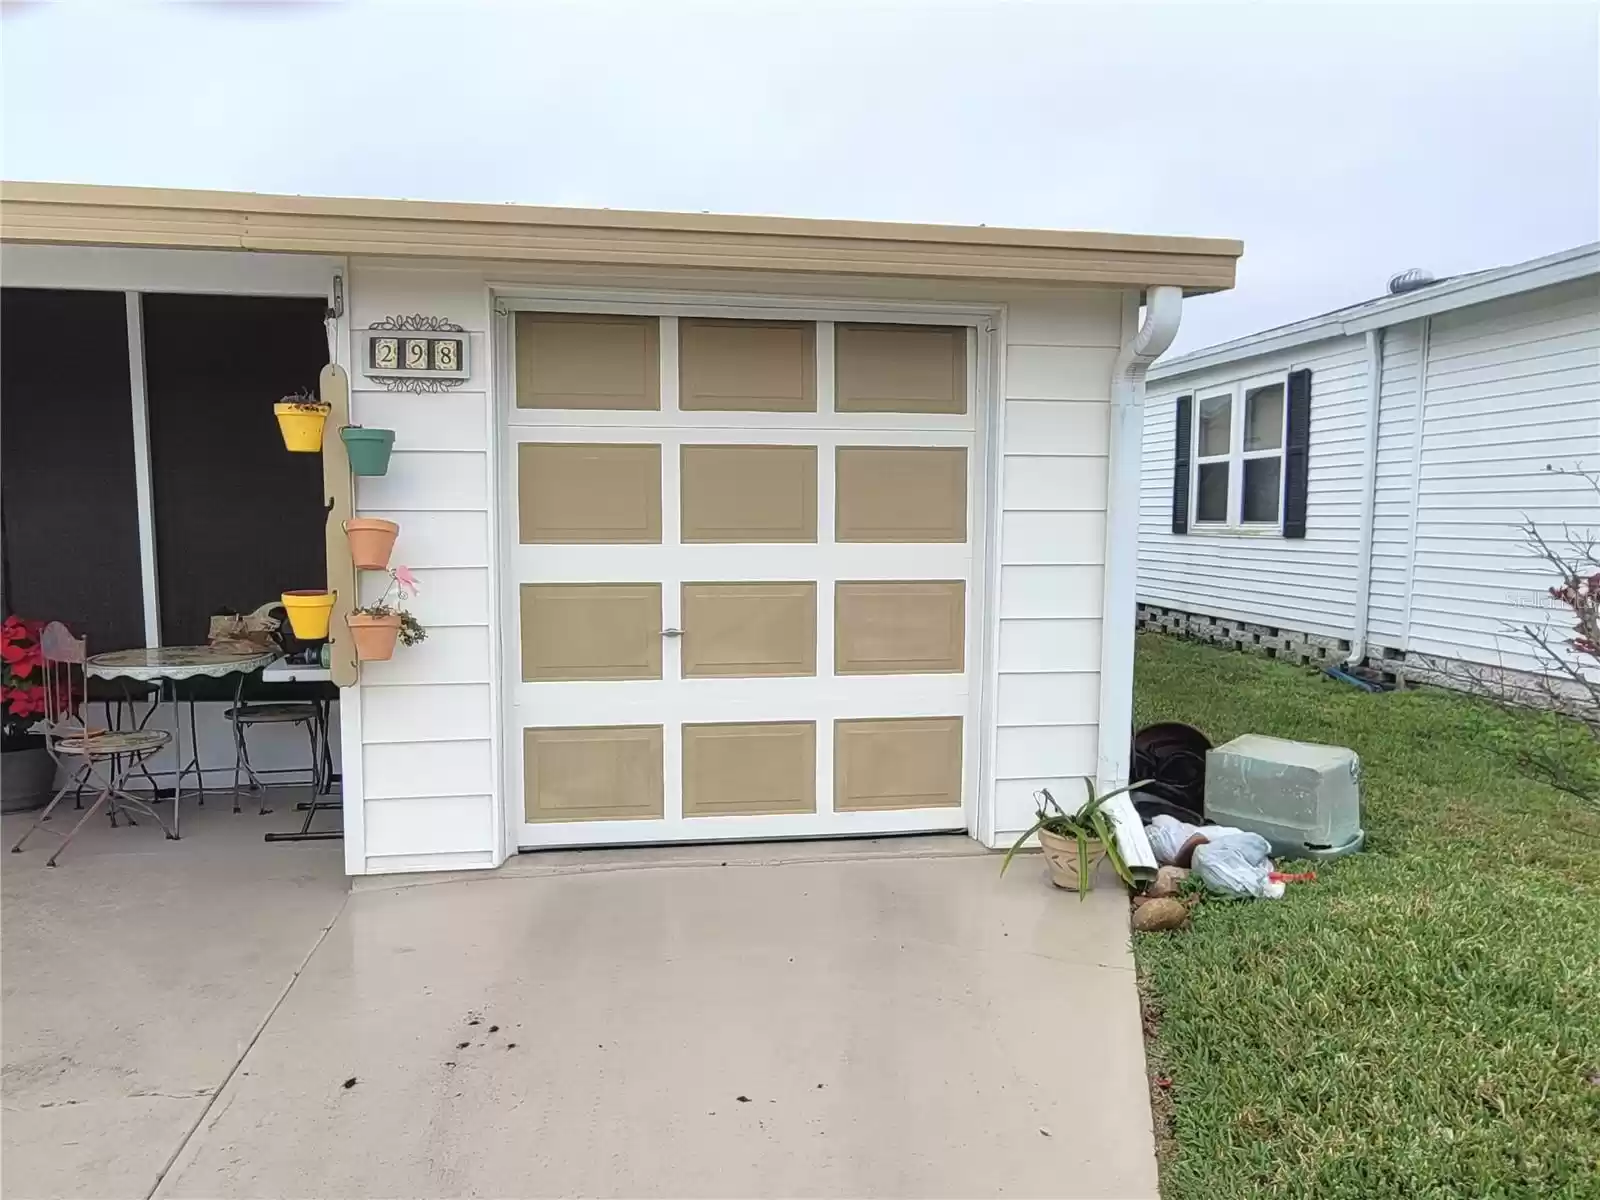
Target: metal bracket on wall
(334, 389)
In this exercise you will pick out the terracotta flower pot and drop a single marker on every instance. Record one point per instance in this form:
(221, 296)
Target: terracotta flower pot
(371, 541)
(308, 613)
(375, 636)
(1061, 854)
(301, 425)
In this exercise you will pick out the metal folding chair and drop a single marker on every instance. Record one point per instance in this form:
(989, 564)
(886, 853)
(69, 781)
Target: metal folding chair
(305, 713)
(102, 758)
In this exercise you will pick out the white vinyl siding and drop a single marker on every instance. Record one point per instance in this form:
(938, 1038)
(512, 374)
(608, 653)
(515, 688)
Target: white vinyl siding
(1052, 549)
(1258, 575)
(1509, 387)
(428, 775)
(1512, 387)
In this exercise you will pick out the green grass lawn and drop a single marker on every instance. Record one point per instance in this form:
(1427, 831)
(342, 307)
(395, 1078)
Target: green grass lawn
(1424, 1019)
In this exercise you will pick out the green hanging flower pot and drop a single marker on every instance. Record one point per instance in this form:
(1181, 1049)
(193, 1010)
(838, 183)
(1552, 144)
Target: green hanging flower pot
(368, 449)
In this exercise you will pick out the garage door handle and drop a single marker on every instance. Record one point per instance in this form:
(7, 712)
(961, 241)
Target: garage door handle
(672, 633)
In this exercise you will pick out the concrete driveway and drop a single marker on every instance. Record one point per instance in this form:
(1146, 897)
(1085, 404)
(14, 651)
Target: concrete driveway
(869, 1019)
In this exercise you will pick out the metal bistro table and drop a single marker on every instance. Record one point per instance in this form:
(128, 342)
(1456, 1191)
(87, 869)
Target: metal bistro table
(167, 667)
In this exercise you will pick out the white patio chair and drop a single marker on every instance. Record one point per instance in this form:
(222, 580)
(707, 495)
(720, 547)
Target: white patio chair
(102, 758)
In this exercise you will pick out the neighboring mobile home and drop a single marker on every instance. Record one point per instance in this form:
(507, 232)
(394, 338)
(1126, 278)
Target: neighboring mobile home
(1352, 487)
(727, 527)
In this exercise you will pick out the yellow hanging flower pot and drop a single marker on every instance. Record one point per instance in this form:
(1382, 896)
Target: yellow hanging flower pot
(300, 421)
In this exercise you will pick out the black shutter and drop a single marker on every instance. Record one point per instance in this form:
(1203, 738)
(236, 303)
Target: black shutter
(1297, 454)
(1180, 465)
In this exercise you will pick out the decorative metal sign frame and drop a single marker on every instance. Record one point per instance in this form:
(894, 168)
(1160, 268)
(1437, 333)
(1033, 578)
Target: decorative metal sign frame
(416, 353)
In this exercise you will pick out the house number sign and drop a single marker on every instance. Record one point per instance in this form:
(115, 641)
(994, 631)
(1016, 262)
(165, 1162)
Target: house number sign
(415, 353)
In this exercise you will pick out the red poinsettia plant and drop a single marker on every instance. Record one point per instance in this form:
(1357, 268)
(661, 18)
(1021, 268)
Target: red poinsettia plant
(22, 690)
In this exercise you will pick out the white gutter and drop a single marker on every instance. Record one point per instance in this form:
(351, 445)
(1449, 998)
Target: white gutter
(1119, 606)
(1369, 501)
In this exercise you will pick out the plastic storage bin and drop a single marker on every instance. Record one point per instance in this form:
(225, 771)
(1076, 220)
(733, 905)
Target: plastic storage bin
(1303, 798)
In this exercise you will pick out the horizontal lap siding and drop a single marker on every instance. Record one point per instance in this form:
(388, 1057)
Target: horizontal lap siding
(1513, 386)
(1052, 491)
(428, 769)
(1307, 584)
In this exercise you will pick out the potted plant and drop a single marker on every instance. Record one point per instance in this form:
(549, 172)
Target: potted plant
(376, 626)
(371, 541)
(27, 771)
(1074, 843)
(308, 611)
(368, 449)
(300, 419)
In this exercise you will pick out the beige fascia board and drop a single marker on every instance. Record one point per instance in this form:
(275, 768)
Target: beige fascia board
(82, 214)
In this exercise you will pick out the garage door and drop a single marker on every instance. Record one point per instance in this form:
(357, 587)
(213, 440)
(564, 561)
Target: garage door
(743, 577)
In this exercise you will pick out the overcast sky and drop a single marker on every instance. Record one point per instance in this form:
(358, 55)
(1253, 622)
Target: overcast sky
(1340, 143)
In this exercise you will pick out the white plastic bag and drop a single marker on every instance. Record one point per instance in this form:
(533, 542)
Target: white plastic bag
(1168, 834)
(1238, 864)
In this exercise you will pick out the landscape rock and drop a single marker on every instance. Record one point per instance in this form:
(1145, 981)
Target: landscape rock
(1160, 915)
(1167, 882)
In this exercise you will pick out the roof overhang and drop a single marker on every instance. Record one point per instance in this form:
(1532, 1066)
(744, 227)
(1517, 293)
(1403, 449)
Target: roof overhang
(82, 214)
(1478, 288)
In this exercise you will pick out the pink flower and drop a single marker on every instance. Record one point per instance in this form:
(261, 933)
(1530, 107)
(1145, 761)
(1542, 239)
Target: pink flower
(406, 580)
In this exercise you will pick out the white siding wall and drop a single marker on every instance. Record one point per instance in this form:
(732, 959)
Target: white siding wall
(429, 768)
(1512, 386)
(1306, 584)
(428, 765)
(1052, 549)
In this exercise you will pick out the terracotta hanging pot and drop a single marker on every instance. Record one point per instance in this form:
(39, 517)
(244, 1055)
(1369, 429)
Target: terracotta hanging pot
(308, 613)
(374, 636)
(371, 541)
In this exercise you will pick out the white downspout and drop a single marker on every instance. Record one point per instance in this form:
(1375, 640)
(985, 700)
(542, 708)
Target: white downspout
(1369, 501)
(1119, 603)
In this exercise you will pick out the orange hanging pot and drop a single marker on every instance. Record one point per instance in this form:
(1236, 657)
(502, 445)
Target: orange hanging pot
(374, 636)
(371, 541)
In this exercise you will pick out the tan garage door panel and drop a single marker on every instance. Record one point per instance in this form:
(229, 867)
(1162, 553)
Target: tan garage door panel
(899, 627)
(591, 631)
(746, 366)
(583, 492)
(749, 770)
(583, 360)
(745, 630)
(749, 493)
(900, 368)
(610, 773)
(897, 763)
(901, 494)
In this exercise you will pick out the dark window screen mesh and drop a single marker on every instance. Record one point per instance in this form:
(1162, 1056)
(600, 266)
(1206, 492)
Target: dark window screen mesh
(71, 528)
(238, 518)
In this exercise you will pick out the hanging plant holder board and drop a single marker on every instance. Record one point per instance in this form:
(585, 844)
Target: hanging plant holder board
(334, 389)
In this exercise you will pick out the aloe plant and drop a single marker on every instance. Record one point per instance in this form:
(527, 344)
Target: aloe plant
(1087, 825)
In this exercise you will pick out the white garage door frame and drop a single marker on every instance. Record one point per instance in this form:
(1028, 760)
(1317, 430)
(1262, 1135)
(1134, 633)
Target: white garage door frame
(886, 428)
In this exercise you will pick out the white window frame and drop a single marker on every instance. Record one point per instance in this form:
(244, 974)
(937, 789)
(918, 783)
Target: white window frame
(1236, 457)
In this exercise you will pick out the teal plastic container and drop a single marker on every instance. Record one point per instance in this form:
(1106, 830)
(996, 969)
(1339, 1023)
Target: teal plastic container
(368, 449)
(1302, 797)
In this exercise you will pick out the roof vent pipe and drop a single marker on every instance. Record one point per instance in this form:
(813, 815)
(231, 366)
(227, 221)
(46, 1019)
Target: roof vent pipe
(1410, 280)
